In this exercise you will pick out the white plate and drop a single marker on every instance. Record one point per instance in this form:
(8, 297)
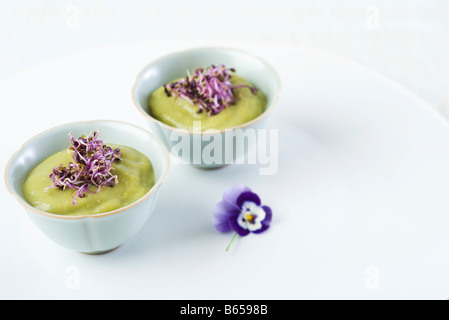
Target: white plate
(360, 198)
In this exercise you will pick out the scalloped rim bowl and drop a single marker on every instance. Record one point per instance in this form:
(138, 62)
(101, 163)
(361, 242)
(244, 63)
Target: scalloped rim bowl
(96, 233)
(174, 65)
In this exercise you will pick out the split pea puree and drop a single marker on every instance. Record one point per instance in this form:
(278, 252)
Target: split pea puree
(135, 175)
(180, 113)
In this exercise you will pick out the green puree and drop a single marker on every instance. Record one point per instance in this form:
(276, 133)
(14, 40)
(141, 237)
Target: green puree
(135, 175)
(179, 113)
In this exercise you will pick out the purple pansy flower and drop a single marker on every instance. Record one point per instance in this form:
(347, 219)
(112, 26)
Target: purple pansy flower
(241, 210)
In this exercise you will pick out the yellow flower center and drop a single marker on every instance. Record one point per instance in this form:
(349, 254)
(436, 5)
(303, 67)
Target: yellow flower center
(250, 217)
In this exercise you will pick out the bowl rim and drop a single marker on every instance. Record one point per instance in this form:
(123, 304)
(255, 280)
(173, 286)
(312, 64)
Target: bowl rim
(99, 215)
(214, 131)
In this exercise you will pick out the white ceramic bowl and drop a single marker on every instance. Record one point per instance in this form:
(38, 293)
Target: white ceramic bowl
(97, 233)
(174, 66)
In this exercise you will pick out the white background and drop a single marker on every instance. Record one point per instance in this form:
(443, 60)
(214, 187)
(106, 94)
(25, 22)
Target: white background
(407, 40)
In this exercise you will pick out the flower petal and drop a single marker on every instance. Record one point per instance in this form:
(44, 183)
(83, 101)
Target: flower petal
(221, 217)
(265, 222)
(268, 214)
(235, 225)
(248, 196)
(232, 194)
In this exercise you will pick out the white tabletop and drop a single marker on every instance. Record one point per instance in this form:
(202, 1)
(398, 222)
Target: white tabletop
(359, 196)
